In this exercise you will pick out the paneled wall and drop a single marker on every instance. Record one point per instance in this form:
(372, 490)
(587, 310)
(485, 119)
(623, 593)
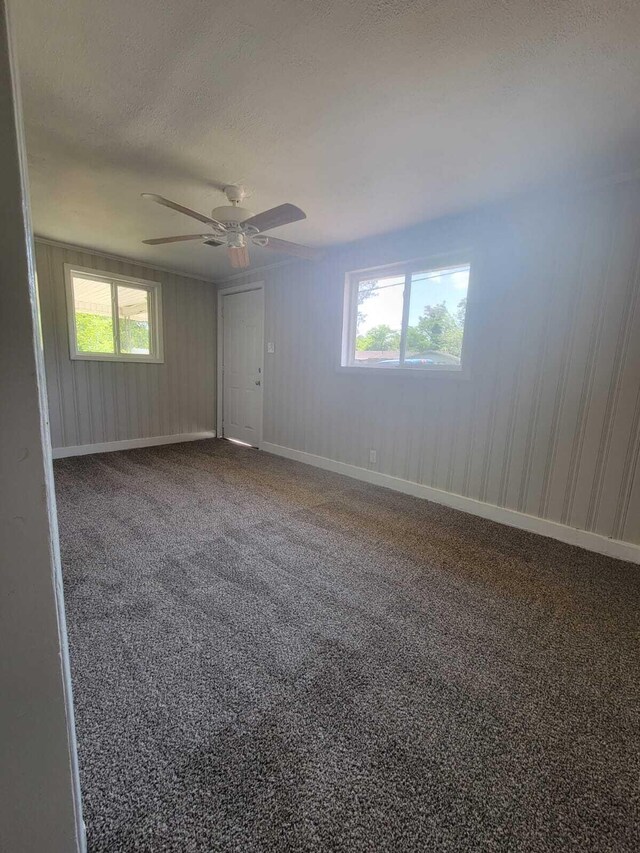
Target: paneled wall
(91, 402)
(549, 422)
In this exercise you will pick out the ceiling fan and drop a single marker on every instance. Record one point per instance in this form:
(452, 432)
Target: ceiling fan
(235, 227)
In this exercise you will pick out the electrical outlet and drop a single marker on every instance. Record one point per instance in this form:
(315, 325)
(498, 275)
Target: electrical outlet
(373, 457)
(271, 347)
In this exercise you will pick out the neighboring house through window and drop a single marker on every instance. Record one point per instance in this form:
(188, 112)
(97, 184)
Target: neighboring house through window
(409, 317)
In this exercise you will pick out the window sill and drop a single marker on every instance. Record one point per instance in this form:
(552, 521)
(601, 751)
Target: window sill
(137, 359)
(454, 373)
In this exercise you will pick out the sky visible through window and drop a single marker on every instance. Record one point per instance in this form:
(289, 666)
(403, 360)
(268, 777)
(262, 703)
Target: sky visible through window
(384, 306)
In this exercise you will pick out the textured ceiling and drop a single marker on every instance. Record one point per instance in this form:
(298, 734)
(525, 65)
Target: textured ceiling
(369, 114)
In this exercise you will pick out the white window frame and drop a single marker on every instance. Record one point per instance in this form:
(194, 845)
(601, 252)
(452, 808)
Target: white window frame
(154, 291)
(405, 268)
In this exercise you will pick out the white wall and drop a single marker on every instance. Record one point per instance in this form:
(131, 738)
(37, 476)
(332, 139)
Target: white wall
(93, 402)
(548, 424)
(39, 792)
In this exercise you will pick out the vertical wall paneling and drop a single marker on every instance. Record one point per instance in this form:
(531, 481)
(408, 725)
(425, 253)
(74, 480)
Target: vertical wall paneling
(549, 421)
(93, 402)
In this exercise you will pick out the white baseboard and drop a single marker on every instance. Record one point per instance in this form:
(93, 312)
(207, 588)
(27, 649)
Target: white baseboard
(129, 444)
(545, 527)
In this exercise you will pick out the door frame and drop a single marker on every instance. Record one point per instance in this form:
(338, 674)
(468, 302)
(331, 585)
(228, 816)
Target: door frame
(229, 291)
(39, 780)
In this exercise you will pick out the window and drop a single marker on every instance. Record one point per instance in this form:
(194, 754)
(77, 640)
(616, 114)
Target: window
(113, 318)
(409, 318)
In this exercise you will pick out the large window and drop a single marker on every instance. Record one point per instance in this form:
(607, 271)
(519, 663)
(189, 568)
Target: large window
(409, 318)
(113, 318)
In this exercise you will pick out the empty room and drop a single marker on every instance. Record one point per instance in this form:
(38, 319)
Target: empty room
(320, 487)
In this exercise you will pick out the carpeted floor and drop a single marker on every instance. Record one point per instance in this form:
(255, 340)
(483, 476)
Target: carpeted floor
(269, 657)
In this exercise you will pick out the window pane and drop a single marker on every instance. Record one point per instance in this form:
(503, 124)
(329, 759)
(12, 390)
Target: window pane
(93, 317)
(379, 321)
(133, 320)
(436, 317)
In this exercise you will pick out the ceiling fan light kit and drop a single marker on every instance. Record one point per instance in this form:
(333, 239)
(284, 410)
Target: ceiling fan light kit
(236, 227)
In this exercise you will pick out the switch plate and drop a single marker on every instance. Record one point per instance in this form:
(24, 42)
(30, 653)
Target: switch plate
(373, 457)
(271, 347)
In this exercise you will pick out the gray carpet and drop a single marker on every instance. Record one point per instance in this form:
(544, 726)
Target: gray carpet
(269, 657)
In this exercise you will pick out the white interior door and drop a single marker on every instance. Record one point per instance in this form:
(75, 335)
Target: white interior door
(242, 365)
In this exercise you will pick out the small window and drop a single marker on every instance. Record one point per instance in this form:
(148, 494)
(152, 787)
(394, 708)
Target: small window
(113, 318)
(408, 318)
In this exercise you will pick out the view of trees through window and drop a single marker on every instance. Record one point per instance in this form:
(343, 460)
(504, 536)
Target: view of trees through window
(432, 324)
(94, 333)
(110, 318)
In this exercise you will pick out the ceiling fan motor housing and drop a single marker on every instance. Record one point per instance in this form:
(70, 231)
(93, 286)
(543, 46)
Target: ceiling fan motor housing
(230, 214)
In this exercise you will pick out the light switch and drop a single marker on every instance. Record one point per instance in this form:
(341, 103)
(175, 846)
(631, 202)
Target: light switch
(271, 347)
